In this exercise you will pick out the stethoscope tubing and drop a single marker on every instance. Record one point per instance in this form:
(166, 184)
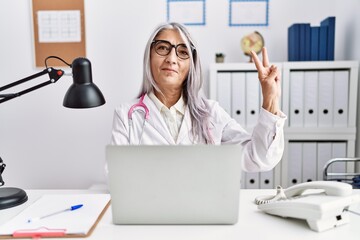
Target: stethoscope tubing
(131, 111)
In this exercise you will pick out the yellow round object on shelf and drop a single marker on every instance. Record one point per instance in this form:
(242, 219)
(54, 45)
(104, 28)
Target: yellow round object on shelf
(252, 42)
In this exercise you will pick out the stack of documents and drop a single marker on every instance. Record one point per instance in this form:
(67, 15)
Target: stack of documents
(49, 214)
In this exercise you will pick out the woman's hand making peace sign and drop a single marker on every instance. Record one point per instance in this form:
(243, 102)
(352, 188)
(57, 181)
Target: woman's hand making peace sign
(270, 80)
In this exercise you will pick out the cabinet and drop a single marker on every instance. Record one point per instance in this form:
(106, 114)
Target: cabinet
(320, 100)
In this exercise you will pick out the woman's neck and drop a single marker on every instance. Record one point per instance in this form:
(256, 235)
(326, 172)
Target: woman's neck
(168, 98)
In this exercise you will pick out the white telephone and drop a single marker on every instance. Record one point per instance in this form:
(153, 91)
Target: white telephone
(322, 210)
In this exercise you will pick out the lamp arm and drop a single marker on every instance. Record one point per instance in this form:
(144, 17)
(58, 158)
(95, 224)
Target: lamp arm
(54, 75)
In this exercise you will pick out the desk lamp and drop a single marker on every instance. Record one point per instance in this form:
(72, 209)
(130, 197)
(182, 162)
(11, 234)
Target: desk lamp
(83, 93)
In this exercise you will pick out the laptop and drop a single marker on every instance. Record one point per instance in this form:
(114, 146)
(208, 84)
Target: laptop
(194, 184)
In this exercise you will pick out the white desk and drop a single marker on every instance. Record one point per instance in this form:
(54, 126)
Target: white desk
(252, 224)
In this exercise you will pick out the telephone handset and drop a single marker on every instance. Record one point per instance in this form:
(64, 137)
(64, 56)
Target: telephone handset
(321, 209)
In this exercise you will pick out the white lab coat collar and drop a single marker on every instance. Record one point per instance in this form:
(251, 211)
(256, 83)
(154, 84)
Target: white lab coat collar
(179, 105)
(156, 118)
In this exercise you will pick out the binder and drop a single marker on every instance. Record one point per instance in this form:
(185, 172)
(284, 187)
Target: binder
(302, 50)
(310, 98)
(330, 24)
(238, 97)
(309, 163)
(252, 99)
(307, 41)
(326, 94)
(314, 43)
(296, 99)
(223, 92)
(338, 151)
(324, 151)
(341, 98)
(79, 223)
(294, 42)
(323, 42)
(295, 163)
(267, 179)
(252, 180)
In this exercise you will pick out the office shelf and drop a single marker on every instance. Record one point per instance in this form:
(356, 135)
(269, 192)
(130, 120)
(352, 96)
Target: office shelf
(334, 131)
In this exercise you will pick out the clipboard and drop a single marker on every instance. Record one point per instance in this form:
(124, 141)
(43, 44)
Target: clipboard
(72, 224)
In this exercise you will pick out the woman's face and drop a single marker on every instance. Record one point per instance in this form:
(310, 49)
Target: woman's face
(170, 71)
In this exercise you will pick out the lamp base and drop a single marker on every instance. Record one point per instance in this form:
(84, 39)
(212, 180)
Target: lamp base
(11, 197)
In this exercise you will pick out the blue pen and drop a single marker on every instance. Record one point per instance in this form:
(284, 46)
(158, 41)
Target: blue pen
(72, 208)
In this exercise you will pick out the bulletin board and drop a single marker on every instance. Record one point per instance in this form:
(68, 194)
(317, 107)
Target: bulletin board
(59, 30)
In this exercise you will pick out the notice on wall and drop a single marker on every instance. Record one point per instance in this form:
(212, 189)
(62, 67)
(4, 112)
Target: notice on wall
(59, 26)
(188, 12)
(249, 13)
(59, 30)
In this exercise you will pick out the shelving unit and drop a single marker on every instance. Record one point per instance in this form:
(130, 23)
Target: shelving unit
(338, 132)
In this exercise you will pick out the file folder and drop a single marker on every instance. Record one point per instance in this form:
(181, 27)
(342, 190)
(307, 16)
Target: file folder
(252, 99)
(267, 180)
(224, 90)
(323, 43)
(310, 99)
(238, 110)
(294, 163)
(324, 150)
(294, 42)
(326, 94)
(314, 52)
(341, 98)
(252, 180)
(330, 24)
(296, 99)
(309, 163)
(338, 151)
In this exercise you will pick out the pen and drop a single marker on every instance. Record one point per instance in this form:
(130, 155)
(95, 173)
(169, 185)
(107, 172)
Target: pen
(72, 208)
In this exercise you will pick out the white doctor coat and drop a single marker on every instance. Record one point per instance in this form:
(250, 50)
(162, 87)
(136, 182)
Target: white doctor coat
(263, 148)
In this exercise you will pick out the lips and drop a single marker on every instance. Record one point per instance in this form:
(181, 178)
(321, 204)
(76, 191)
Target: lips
(169, 70)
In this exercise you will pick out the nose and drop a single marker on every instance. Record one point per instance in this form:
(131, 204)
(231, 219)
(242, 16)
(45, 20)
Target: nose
(172, 57)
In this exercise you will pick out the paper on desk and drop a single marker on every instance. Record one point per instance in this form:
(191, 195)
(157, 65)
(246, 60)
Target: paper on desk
(79, 221)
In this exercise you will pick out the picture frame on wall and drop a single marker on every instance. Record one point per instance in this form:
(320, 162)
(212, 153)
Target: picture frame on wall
(187, 12)
(248, 13)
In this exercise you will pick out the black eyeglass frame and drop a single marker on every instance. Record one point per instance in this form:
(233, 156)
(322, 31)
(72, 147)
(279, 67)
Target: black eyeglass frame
(172, 46)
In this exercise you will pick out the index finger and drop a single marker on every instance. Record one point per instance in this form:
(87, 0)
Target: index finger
(257, 61)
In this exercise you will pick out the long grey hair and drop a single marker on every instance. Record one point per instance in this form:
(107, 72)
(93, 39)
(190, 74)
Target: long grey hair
(192, 87)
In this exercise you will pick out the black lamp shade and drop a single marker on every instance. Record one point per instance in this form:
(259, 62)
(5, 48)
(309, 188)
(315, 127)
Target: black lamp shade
(83, 93)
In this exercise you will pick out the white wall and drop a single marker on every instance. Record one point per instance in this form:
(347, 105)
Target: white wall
(47, 146)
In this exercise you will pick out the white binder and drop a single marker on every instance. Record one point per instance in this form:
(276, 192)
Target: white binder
(296, 99)
(294, 164)
(338, 151)
(326, 94)
(310, 98)
(324, 150)
(252, 180)
(309, 163)
(238, 97)
(224, 90)
(252, 99)
(267, 180)
(341, 98)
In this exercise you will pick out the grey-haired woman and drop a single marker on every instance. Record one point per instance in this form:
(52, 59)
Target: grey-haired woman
(172, 108)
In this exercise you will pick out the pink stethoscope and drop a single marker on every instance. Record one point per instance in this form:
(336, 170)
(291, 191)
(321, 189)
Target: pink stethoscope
(134, 108)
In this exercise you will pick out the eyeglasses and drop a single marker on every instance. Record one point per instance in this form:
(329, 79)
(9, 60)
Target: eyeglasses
(163, 48)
